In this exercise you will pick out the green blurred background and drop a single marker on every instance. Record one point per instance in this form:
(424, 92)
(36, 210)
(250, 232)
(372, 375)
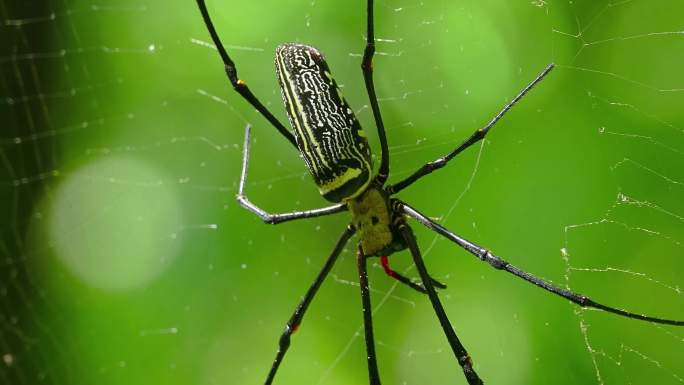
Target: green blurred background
(126, 260)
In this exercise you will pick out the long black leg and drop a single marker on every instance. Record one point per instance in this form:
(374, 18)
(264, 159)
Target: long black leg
(367, 319)
(296, 318)
(458, 348)
(384, 261)
(239, 85)
(275, 218)
(500, 264)
(367, 67)
(474, 138)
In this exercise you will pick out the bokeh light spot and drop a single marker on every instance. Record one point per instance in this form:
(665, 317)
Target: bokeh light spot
(477, 55)
(111, 223)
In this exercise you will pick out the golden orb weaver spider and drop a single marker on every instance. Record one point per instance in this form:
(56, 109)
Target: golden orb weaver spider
(336, 152)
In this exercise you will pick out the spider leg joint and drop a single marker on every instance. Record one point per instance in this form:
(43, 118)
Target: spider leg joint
(493, 260)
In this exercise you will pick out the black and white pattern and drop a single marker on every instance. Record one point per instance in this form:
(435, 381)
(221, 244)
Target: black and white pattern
(328, 134)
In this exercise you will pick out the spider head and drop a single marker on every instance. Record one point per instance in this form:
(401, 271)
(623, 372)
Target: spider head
(372, 217)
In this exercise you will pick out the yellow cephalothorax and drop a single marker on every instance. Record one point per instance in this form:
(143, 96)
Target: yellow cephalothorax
(371, 218)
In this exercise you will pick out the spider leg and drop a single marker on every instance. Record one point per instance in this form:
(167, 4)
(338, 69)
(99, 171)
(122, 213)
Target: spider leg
(384, 261)
(459, 350)
(367, 68)
(296, 318)
(500, 264)
(275, 218)
(373, 374)
(474, 138)
(239, 85)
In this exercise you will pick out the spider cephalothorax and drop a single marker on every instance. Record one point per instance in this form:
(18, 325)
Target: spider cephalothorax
(336, 152)
(376, 223)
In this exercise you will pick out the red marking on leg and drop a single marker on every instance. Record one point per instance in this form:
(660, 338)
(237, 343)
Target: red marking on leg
(384, 261)
(295, 328)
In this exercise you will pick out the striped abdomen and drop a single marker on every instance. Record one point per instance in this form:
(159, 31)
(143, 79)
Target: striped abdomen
(329, 137)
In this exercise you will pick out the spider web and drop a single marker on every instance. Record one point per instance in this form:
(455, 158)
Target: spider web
(125, 257)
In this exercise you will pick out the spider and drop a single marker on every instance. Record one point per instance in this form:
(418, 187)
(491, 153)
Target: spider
(336, 152)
